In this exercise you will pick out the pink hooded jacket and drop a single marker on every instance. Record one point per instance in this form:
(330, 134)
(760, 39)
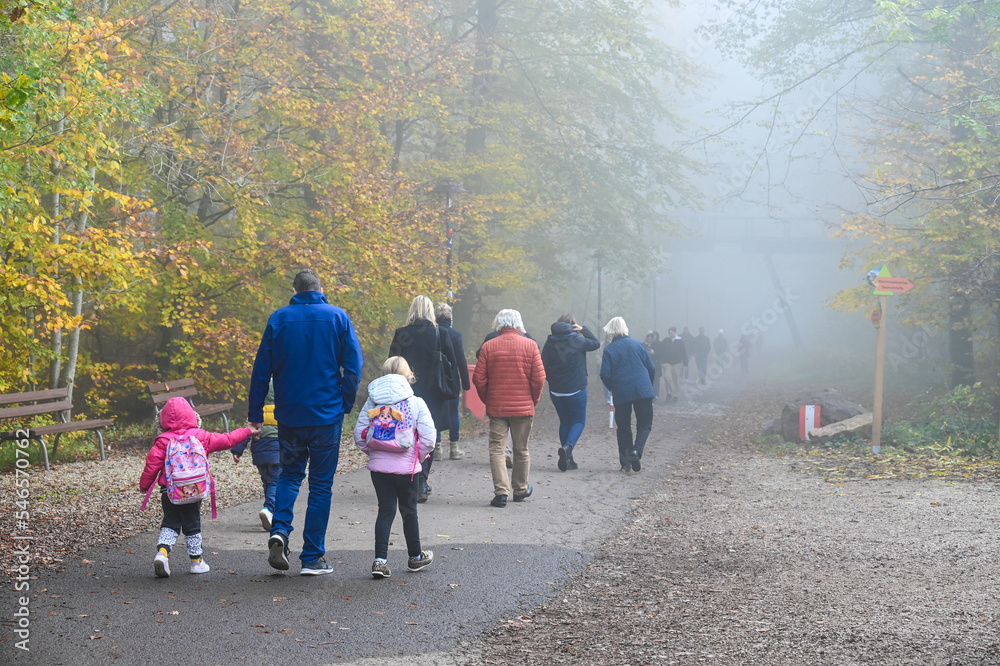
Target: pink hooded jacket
(178, 418)
(418, 427)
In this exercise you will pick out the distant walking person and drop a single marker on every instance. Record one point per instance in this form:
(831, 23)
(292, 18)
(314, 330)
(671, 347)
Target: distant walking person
(673, 355)
(688, 340)
(565, 359)
(311, 351)
(509, 377)
(720, 345)
(396, 430)
(628, 372)
(443, 314)
(743, 351)
(701, 347)
(652, 343)
(417, 342)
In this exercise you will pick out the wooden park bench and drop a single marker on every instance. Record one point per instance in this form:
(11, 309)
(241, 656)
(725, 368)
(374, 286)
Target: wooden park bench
(160, 392)
(51, 401)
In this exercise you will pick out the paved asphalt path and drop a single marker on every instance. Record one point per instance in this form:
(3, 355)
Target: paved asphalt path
(490, 565)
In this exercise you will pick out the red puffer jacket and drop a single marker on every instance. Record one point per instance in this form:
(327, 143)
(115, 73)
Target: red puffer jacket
(509, 375)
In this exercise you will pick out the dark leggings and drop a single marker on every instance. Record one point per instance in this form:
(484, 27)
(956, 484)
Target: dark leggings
(393, 489)
(184, 518)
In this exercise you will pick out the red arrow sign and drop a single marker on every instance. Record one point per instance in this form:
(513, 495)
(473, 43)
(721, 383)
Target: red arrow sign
(893, 284)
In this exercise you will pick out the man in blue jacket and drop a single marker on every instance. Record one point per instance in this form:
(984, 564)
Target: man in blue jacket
(312, 352)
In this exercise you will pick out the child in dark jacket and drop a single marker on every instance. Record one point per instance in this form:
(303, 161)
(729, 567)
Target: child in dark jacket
(266, 457)
(178, 418)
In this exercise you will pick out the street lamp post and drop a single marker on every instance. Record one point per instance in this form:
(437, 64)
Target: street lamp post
(448, 187)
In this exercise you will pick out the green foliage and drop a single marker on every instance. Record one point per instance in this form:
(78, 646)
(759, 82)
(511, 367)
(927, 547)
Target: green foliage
(774, 445)
(961, 422)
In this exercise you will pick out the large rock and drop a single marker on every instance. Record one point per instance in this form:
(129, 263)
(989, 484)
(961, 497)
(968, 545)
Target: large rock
(833, 408)
(859, 426)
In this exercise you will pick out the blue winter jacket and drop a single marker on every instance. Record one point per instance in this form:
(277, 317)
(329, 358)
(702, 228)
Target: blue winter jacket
(627, 370)
(312, 352)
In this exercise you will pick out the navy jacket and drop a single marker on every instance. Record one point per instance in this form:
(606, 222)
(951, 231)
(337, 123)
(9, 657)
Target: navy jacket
(312, 352)
(444, 326)
(565, 357)
(627, 370)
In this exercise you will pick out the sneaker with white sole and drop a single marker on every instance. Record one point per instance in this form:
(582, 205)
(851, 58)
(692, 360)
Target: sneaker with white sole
(265, 519)
(199, 566)
(380, 569)
(161, 564)
(418, 563)
(317, 568)
(277, 552)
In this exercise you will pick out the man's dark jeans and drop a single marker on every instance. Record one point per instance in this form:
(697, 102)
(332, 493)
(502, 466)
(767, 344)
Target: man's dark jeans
(319, 446)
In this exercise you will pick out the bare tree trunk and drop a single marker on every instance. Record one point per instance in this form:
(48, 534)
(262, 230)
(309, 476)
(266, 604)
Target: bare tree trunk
(486, 26)
(55, 370)
(960, 349)
(73, 352)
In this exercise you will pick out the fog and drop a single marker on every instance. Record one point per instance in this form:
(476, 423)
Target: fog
(759, 244)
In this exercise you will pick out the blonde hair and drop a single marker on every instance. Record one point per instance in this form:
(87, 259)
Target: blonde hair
(421, 308)
(616, 327)
(397, 365)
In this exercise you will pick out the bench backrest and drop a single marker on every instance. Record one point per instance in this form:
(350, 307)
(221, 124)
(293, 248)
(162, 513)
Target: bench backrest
(160, 392)
(44, 402)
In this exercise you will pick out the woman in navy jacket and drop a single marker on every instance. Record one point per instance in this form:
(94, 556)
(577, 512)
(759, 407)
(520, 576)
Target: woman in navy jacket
(565, 359)
(444, 320)
(628, 372)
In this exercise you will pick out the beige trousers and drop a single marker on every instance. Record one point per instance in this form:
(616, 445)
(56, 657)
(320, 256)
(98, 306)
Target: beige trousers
(519, 428)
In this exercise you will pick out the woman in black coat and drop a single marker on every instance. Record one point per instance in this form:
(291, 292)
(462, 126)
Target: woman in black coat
(417, 342)
(444, 318)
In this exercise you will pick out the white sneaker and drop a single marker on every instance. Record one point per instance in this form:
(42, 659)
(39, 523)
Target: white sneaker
(161, 564)
(199, 566)
(265, 519)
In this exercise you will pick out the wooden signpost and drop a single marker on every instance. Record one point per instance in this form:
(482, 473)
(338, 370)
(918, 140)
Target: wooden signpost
(885, 285)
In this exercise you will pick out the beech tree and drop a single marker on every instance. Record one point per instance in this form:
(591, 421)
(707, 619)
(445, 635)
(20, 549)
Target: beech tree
(69, 243)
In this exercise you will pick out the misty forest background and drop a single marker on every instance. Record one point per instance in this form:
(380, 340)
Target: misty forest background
(167, 166)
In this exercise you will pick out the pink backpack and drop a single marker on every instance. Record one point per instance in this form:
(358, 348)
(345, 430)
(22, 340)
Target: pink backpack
(186, 470)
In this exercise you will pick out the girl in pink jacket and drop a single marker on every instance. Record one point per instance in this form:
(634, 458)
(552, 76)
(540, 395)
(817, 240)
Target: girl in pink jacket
(178, 418)
(397, 432)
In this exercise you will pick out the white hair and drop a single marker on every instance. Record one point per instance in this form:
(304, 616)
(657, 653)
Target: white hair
(508, 319)
(443, 310)
(616, 327)
(421, 308)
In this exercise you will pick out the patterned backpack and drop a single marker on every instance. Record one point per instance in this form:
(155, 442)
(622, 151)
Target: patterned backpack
(387, 425)
(185, 468)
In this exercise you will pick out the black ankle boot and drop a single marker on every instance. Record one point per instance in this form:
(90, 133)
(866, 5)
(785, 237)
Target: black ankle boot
(570, 463)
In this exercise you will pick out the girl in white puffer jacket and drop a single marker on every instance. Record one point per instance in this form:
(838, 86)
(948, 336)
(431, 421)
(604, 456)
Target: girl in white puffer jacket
(397, 432)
